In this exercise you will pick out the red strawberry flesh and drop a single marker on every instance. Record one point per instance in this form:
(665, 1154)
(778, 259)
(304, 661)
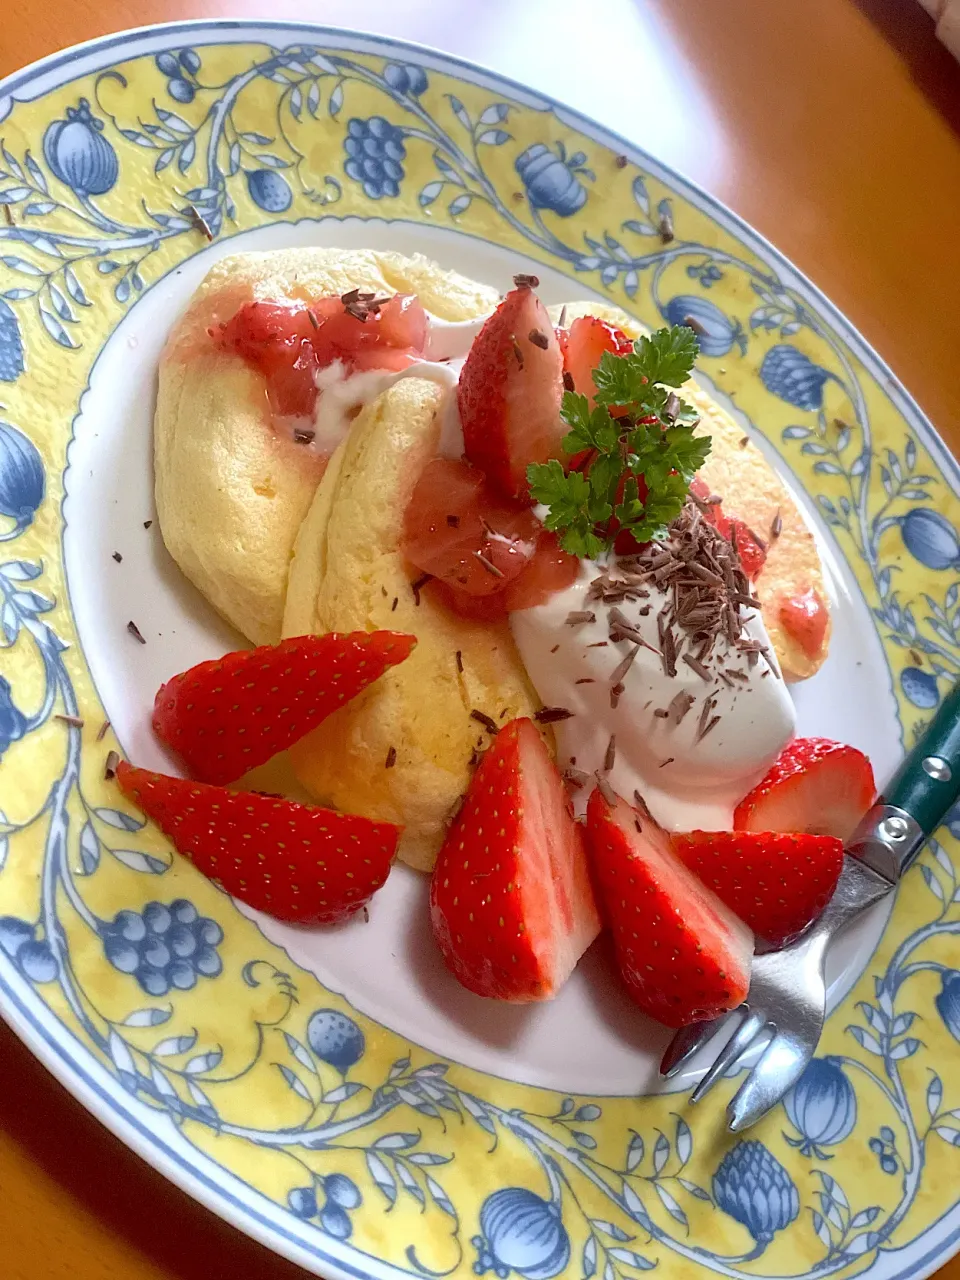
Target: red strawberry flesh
(585, 342)
(509, 393)
(295, 862)
(777, 883)
(815, 785)
(511, 903)
(682, 954)
(231, 714)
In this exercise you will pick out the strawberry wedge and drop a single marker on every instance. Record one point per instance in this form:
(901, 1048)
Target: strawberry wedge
(510, 390)
(232, 714)
(510, 900)
(815, 785)
(682, 954)
(295, 862)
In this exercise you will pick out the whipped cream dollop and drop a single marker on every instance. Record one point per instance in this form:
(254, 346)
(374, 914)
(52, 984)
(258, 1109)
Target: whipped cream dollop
(343, 395)
(692, 746)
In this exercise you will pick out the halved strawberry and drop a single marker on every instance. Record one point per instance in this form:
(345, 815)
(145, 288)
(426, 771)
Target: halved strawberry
(586, 340)
(682, 954)
(814, 785)
(226, 716)
(296, 862)
(775, 882)
(510, 389)
(510, 900)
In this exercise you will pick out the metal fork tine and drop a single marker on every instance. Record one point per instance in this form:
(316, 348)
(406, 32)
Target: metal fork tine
(686, 1042)
(778, 1070)
(741, 1040)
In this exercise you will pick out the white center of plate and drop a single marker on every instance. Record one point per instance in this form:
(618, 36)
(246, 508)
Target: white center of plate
(591, 1039)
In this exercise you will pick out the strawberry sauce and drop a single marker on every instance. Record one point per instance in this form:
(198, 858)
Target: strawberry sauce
(804, 617)
(290, 342)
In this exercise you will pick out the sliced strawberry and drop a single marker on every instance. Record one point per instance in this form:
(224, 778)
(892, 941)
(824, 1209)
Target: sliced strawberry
(804, 617)
(289, 342)
(229, 715)
(510, 390)
(296, 862)
(459, 529)
(682, 954)
(550, 570)
(752, 551)
(776, 883)
(510, 900)
(586, 341)
(814, 785)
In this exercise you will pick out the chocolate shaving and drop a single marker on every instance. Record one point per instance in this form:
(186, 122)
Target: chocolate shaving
(610, 755)
(518, 354)
(490, 567)
(605, 789)
(75, 722)
(415, 587)
(453, 522)
(680, 705)
(458, 658)
(661, 713)
(110, 766)
(147, 524)
(551, 715)
(665, 227)
(117, 556)
(199, 221)
(669, 760)
(672, 406)
(744, 441)
(578, 616)
(696, 666)
(135, 632)
(585, 680)
(8, 216)
(620, 161)
(304, 435)
(396, 601)
(391, 759)
(668, 654)
(481, 717)
(693, 323)
(621, 669)
(776, 527)
(562, 322)
(523, 281)
(539, 339)
(102, 731)
(576, 778)
(555, 648)
(616, 692)
(312, 317)
(568, 382)
(705, 714)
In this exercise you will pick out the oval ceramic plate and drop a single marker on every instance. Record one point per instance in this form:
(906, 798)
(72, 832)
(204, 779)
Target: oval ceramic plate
(334, 1093)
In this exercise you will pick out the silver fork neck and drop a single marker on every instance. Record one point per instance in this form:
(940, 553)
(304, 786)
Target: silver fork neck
(887, 840)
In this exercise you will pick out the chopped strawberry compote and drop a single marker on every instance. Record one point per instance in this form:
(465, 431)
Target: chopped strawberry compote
(487, 554)
(752, 551)
(804, 617)
(289, 342)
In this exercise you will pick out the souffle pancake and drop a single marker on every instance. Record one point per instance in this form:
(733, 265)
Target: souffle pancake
(233, 483)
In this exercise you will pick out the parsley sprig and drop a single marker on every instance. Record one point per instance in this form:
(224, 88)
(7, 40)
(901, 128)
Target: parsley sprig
(653, 438)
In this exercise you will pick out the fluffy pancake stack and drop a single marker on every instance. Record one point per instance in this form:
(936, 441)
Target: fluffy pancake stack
(282, 544)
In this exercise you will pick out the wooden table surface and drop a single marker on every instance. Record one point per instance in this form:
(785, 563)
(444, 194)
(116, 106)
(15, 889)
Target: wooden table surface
(833, 126)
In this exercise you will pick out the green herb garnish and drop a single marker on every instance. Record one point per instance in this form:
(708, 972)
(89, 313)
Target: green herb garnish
(653, 439)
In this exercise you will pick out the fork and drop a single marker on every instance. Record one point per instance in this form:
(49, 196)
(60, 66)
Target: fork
(787, 997)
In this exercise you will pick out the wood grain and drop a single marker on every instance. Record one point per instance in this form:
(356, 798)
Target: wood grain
(830, 125)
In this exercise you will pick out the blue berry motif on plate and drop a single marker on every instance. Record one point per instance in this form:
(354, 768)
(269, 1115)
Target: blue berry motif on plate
(21, 476)
(180, 68)
(375, 151)
(163, 946)
(32, 955)
(920, 687)
(521, 1232)
(335, 1039)
(822, 1107)
(78, 153)
(330, 1200)
(269, 190)
(11, 345)
(716, 333)
(404, 78)
(786, 372)
(931, 538)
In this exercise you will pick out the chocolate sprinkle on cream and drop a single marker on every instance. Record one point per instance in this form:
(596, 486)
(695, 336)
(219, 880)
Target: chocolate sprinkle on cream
(605, 789)
(551, 715)
(585, 680)
(416, 586)
(610, 756)
(575, 778)
(391, 759)
(147, 524)
(616, 692)
(663, 764)
(481, 717)
(579, 616)
(117, 556)
(623, 667)
(698, 667)
(681, 704)
(110, 767)
(135, 632)
(661, 713)
(555, 648)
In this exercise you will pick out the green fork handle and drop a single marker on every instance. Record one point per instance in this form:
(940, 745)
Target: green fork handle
(927, 784)
(916, 799)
